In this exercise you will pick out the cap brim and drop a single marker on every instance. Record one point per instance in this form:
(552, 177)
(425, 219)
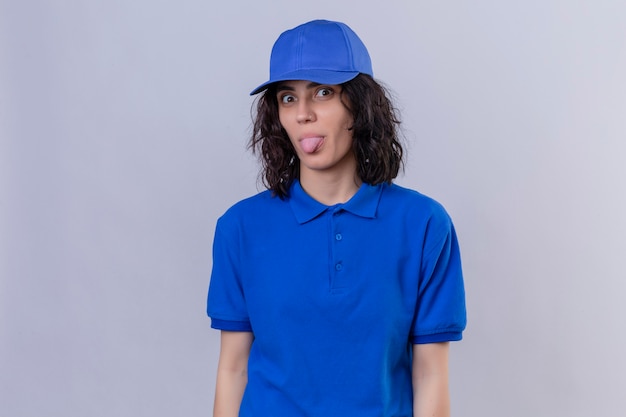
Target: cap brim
(316, 76)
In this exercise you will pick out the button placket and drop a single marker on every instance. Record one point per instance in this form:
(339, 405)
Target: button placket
(338, 244)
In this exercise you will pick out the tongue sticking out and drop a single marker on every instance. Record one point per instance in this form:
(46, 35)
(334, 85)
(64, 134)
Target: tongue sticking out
(310, 145)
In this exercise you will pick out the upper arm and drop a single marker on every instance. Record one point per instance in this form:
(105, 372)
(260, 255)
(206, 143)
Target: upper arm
(440, 314)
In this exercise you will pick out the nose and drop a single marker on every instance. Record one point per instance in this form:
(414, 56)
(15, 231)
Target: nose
(305, 112)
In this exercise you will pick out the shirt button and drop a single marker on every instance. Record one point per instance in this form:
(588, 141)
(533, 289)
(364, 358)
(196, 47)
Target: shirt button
(338, 267)
(338, 236)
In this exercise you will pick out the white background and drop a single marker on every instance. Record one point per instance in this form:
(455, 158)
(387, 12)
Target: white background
(123, 127)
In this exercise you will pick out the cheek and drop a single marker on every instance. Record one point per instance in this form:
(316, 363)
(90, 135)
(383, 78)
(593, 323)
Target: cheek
(282, 119)
(347, 124)
(346, 120)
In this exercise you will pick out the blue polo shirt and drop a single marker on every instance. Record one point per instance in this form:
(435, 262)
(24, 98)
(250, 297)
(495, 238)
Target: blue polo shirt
(335, 297)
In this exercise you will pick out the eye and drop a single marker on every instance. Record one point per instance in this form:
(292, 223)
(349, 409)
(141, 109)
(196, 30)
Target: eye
(286, 98)
(324, 92)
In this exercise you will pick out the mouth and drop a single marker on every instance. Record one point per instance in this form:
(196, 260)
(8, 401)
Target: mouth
(311, 144)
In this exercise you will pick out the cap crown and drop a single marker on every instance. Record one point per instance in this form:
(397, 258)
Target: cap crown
(321, 51)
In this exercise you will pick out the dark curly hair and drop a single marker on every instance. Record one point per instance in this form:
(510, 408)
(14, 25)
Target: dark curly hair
(376, 142)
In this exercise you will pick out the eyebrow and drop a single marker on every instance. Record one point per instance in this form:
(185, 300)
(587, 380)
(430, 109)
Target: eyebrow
(283, 87)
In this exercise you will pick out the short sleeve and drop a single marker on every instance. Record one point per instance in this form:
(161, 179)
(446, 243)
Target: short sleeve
(226, 304)
(440, 311)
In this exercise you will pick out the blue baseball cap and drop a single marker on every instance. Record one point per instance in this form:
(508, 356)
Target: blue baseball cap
(320, 51)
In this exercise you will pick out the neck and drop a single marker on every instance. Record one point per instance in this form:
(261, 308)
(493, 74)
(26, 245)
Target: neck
(328, 188)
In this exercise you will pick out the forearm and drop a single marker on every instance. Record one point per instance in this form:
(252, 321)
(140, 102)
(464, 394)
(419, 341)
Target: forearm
(431, 397)
(431, 393)
(232, 373)
(229, 390)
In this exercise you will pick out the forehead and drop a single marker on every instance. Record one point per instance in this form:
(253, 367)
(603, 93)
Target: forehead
(296, 84)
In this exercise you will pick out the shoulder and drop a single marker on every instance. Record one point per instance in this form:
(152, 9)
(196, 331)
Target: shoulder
(251, 203)
(424, 218)
(412, 202)
(259, 206)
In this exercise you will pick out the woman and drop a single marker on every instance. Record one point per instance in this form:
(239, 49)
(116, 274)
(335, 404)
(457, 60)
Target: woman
(336, 291)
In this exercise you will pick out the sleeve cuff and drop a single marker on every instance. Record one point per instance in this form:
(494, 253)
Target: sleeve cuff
(437, 338)
(236, 326)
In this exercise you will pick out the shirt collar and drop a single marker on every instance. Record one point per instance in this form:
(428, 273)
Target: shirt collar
(364, 203)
